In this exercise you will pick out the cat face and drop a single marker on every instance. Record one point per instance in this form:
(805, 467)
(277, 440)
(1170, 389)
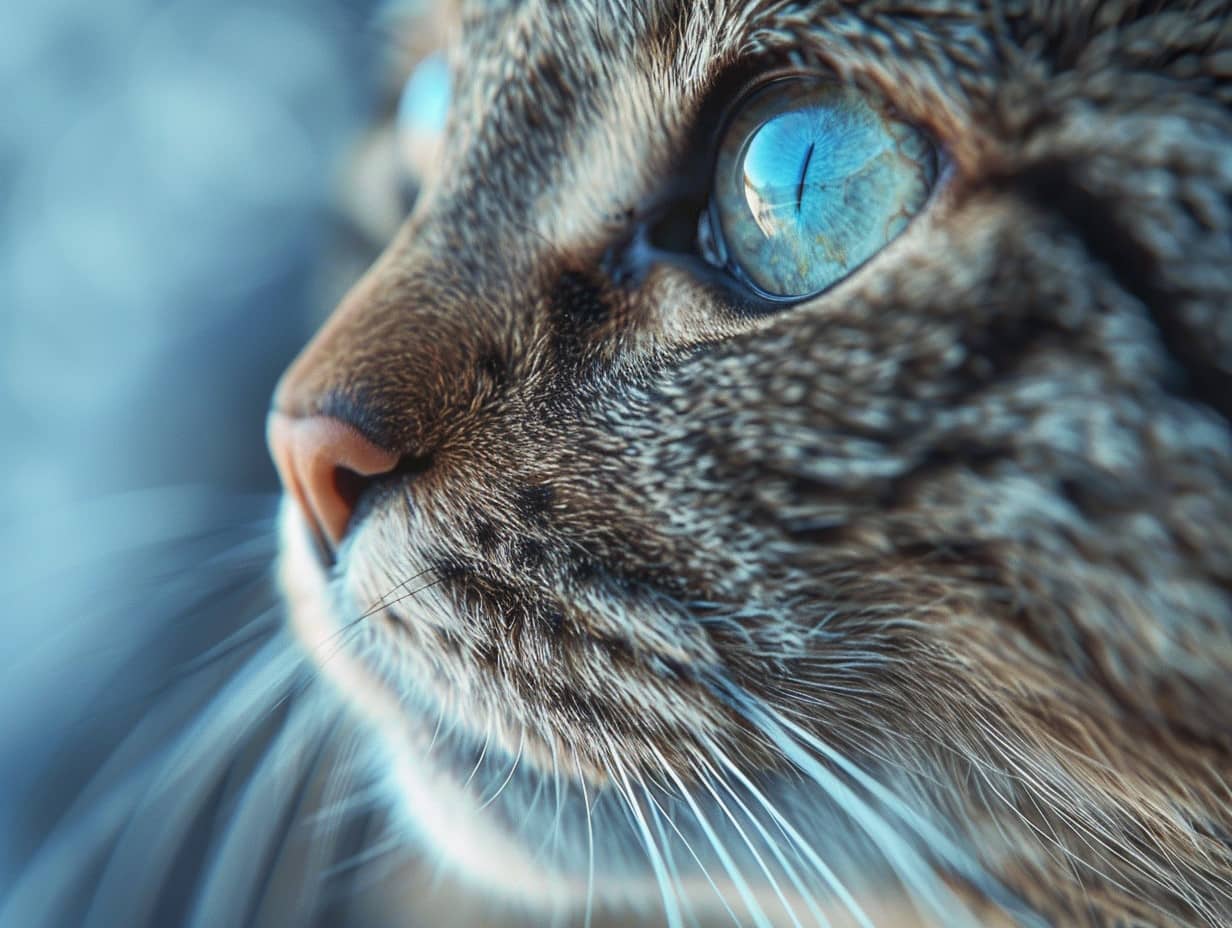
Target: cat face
(915, 587)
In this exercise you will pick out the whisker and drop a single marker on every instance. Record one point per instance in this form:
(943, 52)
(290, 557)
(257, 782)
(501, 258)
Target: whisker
(243, 637)
(802, 845)
(671, 909)
(363, 859)
(774, 883)
(341, 638)
(232, 890)
(910, 865)
(669, 857)
(725, 858)
(590, 847)
(345, 802)
(487, 740)
(440, 718)
(517, 759)
(701, 866)
(337, 801)
(149, 801)
(379, 606)
(553, 835)
(770, 843)
(291, 818)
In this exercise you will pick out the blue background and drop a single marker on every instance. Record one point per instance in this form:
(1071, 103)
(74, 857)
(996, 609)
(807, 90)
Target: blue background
(167, 175)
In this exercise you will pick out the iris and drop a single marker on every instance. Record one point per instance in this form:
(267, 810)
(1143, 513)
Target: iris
(812, 179)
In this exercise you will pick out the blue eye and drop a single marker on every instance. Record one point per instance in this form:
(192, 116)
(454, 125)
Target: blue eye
(422, 112)
(812, 179)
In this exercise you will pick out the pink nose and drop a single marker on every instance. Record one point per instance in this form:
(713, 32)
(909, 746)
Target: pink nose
(324, 464)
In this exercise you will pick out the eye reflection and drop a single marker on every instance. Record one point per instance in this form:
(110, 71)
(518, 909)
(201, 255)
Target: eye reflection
(812, 179)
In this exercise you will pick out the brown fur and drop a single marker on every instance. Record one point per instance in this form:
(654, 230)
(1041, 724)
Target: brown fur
(994, 464)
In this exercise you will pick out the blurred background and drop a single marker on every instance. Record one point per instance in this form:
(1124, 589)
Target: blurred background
(168, 239)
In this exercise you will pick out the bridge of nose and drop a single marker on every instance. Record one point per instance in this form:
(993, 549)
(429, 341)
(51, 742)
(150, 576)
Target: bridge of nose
(465, 284)
(380, 382)
(404, 346)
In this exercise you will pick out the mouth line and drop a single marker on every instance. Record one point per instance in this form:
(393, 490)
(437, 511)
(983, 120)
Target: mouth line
(324, 552)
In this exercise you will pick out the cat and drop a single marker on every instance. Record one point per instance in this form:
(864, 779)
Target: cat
(780, 473)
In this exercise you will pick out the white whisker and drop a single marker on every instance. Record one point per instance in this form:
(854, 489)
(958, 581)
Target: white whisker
(149, 802)
(803, 846)
(232, 890)
(512, 769)
(700, 865)
(671, 908)
(590, 847)
(926, 885)
(729, 865)
(805, 893)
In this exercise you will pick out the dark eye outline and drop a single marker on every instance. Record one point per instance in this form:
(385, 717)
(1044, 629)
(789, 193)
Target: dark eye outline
(711, 244)
(679, 226)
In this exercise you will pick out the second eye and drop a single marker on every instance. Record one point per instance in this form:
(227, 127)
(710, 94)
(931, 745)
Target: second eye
(422, 113)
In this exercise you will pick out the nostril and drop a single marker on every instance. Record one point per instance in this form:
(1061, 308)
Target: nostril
(325, 464)
(412, 465)
(349, 486)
